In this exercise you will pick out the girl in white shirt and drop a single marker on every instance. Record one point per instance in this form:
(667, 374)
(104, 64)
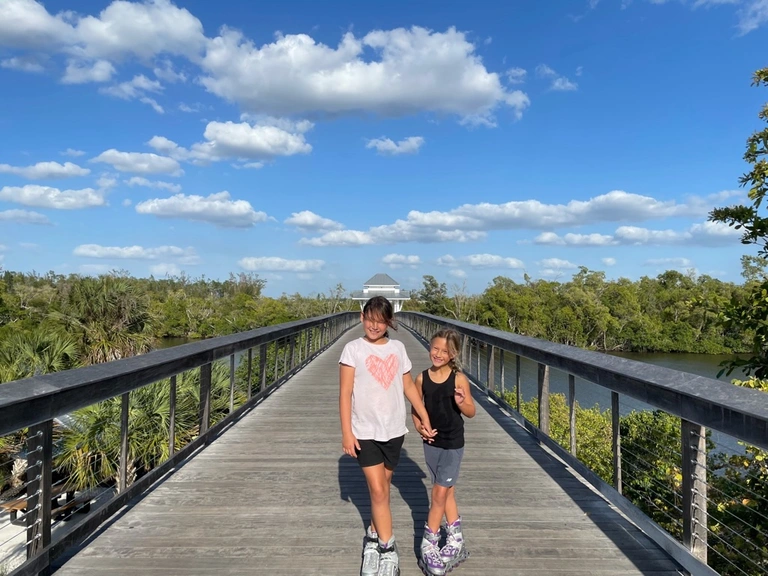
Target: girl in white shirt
(374, 374)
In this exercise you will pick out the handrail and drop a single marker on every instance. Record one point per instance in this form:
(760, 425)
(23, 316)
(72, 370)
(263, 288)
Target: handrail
(30, 401)
(34, 403)
(699, 402)
(733, 410)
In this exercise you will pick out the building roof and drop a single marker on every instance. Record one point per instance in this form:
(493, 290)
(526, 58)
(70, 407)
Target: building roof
(360, 295)
(382, 280)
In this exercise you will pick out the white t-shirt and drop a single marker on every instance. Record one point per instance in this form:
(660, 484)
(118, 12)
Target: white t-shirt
(378, 405)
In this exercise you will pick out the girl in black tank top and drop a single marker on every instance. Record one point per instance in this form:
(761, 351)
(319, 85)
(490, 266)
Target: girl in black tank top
(444, 413)
(447, 399)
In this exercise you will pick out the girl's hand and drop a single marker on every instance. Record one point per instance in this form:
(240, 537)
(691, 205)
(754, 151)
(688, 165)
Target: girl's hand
(425, 433)
(459, 395)
(349, 444)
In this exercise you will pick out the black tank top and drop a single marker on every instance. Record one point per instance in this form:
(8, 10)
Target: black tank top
(444, 414)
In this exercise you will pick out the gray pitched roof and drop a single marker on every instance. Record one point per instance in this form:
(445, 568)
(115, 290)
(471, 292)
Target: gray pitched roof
(382, 280)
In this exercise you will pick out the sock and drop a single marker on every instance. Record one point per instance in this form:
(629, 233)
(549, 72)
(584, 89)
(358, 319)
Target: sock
(387, 545)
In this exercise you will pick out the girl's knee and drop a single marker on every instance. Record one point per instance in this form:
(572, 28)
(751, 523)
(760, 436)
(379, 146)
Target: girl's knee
(379, 492)
(440, 494)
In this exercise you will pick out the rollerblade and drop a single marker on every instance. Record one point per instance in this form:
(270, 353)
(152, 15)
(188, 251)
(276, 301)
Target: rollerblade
(430, 562)
(454, 552)
(389, 559)
(370, 565)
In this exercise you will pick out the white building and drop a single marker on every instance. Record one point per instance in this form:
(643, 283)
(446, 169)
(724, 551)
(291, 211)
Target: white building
(382, 285)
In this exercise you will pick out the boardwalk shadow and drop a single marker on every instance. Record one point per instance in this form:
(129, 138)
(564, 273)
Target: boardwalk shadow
(408, 481)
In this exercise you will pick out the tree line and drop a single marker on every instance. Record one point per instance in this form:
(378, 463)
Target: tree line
(673, 312)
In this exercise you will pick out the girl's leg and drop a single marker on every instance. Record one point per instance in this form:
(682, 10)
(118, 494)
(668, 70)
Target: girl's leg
(379, 480)
(451, 508)
(388, 473)
(437, 509)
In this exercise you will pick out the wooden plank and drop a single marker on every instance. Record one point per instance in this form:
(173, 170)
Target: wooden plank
(275, 495)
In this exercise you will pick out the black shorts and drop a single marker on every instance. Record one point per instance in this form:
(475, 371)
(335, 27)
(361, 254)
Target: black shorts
(373, 452)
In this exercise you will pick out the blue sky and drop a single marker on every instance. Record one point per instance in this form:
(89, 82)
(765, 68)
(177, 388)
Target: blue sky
(317, 143)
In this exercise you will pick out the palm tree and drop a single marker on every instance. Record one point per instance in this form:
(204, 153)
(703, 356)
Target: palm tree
(26, 354)
(111, 317)
(89, 451)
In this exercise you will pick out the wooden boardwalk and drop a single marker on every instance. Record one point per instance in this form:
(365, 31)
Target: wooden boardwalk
(275, 496)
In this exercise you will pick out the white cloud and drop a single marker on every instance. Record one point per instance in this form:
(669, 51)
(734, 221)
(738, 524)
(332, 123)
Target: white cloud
(127, 202)
(218, 209)
(310, 222)
(400, 260)
(400, 231)
(45, 170)
(562, 84)
(182, 255)
(413, 70)
(516, 75)
(575, 239)
(388, 147)
(276, 264)
(72, 152)
(23, 217)
(47, 197)
(472, 221)
(141, 181)
(702, 234)
(27, 24)
(752, 16)
(457, 273)
(139, 162)
(140, 29)
(480, 261)
(187, 108)
(106, 182)
(609, 261)
(164, 70)
(165, 270)
(78, 72)
(143, 30)
(242, 140)
(670, 262)
(558, 82)
(123, 29)
(136, 89)
(557, 264)
(24, 64)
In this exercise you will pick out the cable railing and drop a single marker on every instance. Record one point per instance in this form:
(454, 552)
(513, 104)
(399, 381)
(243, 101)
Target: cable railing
(683, 456)
(190, 394)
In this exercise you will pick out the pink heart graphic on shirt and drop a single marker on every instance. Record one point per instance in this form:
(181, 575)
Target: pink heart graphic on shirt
(382, 370)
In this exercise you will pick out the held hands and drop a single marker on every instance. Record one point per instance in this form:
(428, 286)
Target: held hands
(349, 444)
(426, 431)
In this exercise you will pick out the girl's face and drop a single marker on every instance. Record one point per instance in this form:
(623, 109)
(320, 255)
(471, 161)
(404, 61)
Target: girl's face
(439, 353)
(375, 327)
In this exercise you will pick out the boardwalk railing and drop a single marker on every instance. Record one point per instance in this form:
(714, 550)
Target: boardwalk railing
(489, 355)
(33, 409)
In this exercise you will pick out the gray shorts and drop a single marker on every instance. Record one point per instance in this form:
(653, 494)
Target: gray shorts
(443, 464)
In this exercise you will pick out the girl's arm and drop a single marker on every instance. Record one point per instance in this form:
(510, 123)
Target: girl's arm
(463, 396)
(346, 384)
(417, 423)
(417, 405)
